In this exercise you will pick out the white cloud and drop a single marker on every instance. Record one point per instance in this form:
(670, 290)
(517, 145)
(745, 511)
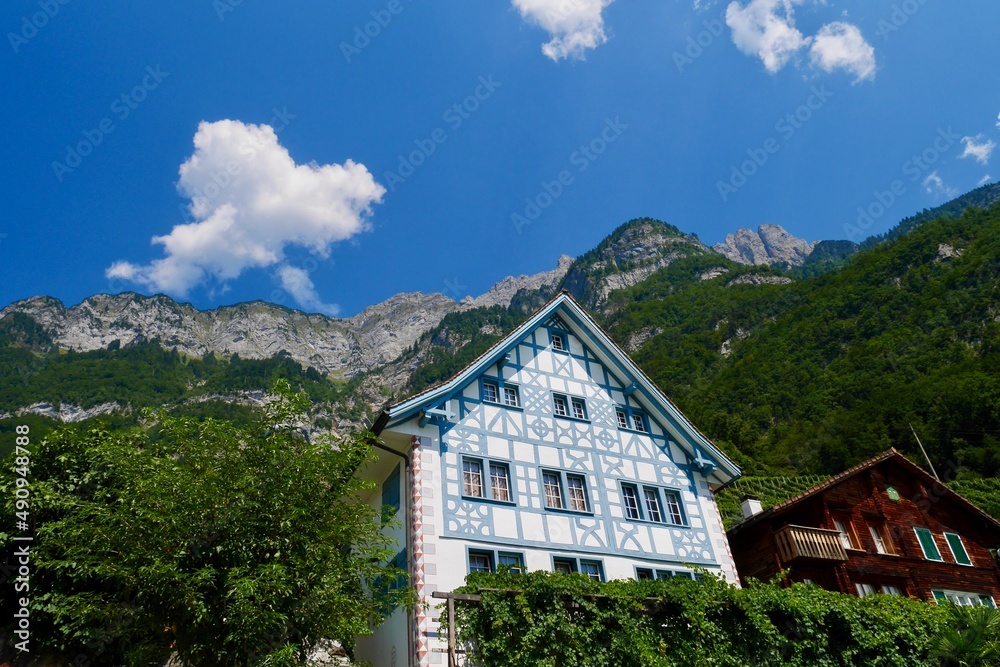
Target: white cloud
(841, 46)
(297, 282)
(978, 147)
(249, 200)
(985, 179)
(575, 25)
(934, 185)
(766, 28)
(998, 120)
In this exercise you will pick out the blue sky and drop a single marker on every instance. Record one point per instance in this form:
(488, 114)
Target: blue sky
(572, 117)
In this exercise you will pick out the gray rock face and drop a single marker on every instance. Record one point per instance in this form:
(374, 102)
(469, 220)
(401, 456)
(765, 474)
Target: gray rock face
(257, 330)
(770, 244)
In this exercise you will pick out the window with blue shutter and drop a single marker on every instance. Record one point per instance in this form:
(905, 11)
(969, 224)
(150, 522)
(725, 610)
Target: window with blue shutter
(390, 492)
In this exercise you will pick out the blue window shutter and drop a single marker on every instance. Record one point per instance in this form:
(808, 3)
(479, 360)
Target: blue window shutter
(390, 491)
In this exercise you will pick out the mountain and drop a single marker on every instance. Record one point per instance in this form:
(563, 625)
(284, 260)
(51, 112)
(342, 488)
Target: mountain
(792, 368)
(770, 244)
(259, 330)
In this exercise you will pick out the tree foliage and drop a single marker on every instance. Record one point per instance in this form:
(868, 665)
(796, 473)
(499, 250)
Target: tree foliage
(227, 544)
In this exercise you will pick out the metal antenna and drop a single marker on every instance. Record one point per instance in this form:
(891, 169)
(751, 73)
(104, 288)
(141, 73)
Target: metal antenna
(928, 459)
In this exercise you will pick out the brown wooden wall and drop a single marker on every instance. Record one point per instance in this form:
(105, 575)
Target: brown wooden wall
(863, 500)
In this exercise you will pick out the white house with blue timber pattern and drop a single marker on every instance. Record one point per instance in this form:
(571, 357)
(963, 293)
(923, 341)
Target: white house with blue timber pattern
(551, 451)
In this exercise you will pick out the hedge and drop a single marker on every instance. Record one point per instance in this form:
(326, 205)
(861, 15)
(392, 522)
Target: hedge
(541, 619)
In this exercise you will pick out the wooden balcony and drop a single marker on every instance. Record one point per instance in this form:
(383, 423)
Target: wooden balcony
(795, 542)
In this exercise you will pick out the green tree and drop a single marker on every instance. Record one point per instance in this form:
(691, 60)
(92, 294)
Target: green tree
(227, 544)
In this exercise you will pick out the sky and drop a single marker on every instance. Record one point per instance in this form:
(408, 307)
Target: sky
(327, 155)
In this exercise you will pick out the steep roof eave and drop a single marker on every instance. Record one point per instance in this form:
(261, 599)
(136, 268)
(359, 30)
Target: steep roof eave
(891, 454)
(411, 406)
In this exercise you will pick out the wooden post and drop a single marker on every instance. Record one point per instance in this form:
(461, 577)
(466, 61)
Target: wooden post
(452, 657)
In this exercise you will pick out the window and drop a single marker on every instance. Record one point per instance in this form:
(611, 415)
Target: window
(559, 342)
(592, 569)
(490, 392)
(653, 505)
(886, 589)
(643, 574)
(663, 575)
(864, 590)
(640, 422)
(474, 485)
(963, 599)
(564, 406)
(643, 503)
(500, 482)
(554, 483)
(553, 490)
(577, 493)
(882, 542)
(481, 560)
(630, 498)
(847, 537)
(622, 418)
(559, 402)
(564, 565)
(957, 549)
(472, 478)
(928, 545)
(510, 396)
(511, 561)
(672, 501)
(390, 492)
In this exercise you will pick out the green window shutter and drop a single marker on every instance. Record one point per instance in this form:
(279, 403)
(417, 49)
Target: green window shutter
(958, 549)
(927, 544)
(940, 596)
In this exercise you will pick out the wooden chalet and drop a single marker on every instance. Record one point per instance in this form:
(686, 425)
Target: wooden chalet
(884, 526)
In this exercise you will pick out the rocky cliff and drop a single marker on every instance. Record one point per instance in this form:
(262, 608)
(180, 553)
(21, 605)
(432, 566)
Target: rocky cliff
(770, 244)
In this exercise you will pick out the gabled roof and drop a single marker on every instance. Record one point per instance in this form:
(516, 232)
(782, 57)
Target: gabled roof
(890, 455)
(714, 463)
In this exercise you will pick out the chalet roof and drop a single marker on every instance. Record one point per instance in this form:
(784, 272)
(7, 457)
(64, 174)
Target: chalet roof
(890, 455)
(686, 435)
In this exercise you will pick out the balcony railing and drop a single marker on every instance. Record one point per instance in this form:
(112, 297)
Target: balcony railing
(796, 542)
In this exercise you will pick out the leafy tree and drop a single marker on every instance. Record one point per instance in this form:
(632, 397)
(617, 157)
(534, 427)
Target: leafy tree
(227, 544)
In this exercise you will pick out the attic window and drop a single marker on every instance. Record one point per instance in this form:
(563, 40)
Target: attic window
(892, 493)
(559, 342)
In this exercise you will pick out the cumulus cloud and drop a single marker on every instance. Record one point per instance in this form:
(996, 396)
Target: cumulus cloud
(250, 200)
(841, 46)
(934, 185)
(766, 28)
(297, 282)
(574, 25)
(979, 148)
